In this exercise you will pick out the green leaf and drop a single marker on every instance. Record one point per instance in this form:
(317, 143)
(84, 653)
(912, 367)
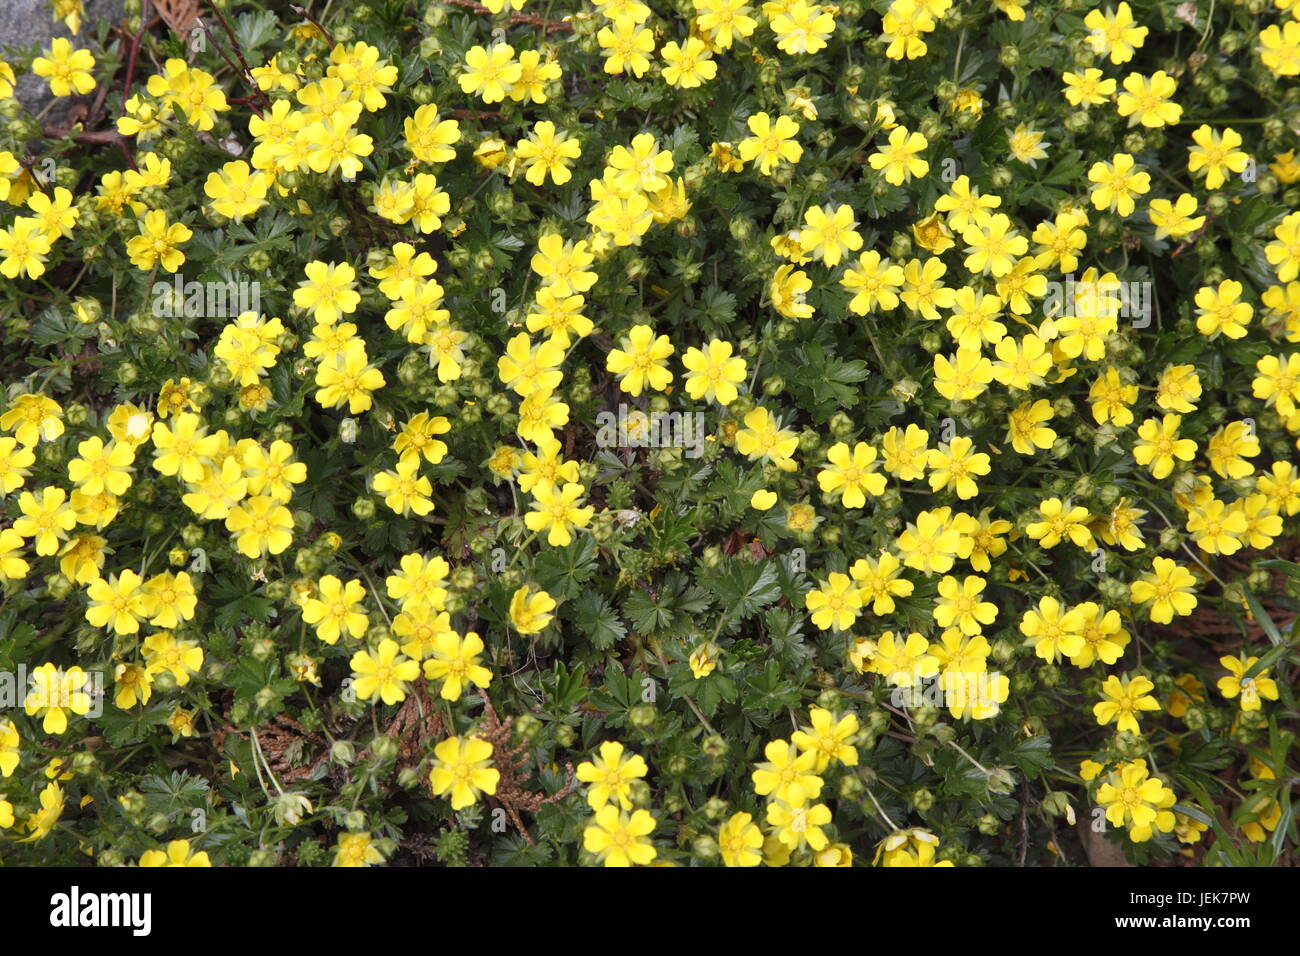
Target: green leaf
(597, 620)
(1287, 567)
(1033, 755)
(1262, 617)
(254, 30)
(563, 571)
(742, 588)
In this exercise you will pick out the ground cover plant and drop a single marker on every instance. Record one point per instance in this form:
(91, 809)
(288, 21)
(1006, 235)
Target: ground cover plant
(691, 433)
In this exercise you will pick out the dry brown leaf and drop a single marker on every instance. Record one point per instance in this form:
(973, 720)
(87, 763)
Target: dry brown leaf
(180, 15)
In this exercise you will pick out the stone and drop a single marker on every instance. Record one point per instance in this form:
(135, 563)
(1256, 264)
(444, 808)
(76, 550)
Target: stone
(28, 23)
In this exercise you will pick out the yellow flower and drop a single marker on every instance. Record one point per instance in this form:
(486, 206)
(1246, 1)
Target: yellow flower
(1178, 389)
(874, 282)
(879, 582)
(1286, 167)
(171, 599)
(1026, 145)
(828, 738)
(1170, 589)
(959, 605)
(556, 511)
(41, 822)
(24, 246)
(724, 20)
(527, 369)
(929, 543)
(903, 661)
(490, 153)
(328, 291)
(55, 693)
(829, 233)
(788, 775)
(356, 849)
(954, 466)
(178, 853)
(32, 418)
(66, 69)
(47, 518)
(899, 160)
(1025, 428)
(1060, 521)
(618, 838)
(851, 475)
(1087, 88)
(534, 74)
(800, 826)
(1116, 182)
(163, 652)
(626, 47)
(56, 215)
(1146, 101)
(726, 160)
(405, 491)
(688, 65)
(336, 609)
(1214, 153)
(932, 234)
(1114, 33)
(836, 604)
(740, 841)
(771, 142)
(714, 372)
(455, 661)
(349, 379)
(1177, 218)
(383, 674)
(1053, 631)
(463, 769)
(788, 291)
(9, 748)
(763, 438)
(157, 243)
(1218, 311)
(1140, 802)
(1104, 638)
(1250, 689)
(134, 685)
(1159, 445)
(420, 582)
(802, 27)
(640, 362)
(181, 722)
(236, 191)
(547, 151)
(1123, 699)
(610, 775)
(992, 245)
(703, 660)
(530, 611)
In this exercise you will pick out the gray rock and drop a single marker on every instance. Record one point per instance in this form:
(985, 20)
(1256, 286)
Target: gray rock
(24, 23)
